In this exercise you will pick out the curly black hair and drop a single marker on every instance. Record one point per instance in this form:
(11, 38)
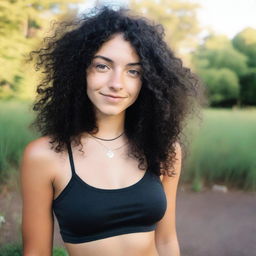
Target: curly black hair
(153, 124)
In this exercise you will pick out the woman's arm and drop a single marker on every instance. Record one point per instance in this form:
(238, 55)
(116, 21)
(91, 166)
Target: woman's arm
(165, 235)
(37, 195)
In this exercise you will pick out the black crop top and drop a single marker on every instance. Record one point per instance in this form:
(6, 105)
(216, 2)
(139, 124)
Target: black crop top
(86, 213)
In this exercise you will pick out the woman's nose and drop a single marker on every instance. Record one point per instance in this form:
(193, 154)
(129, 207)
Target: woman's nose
(116, 80)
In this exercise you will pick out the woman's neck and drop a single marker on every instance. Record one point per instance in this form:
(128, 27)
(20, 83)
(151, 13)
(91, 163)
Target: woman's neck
(110, 126)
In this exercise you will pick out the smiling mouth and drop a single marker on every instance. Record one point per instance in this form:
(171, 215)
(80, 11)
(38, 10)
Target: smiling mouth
(113, 96)
(112, 99)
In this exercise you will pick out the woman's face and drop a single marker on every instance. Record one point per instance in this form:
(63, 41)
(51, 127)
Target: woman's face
(114, 77)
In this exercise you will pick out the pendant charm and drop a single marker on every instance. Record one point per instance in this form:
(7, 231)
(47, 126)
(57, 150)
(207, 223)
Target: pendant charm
(110, 154)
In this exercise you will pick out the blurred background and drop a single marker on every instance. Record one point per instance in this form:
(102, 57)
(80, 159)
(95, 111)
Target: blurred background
(216, 203)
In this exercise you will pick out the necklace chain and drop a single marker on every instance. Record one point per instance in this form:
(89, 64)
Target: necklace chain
(107, 139)
(110, 152)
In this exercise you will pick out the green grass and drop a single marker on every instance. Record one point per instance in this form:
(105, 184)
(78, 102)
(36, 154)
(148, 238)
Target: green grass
(14, 135)
(15, 249)
(223, 150)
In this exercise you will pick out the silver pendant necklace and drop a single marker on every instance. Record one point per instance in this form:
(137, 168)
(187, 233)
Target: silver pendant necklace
(109, 152)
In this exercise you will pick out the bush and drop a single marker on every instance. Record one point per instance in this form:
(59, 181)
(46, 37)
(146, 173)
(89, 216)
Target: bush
(222, 85)
(13, 249)
(248, 89)
(59, 252)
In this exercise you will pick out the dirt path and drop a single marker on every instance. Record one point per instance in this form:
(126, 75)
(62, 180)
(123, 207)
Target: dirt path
(216, 224)
(208, 223)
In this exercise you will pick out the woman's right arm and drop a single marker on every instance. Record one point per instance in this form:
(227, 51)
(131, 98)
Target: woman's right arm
(37, 194)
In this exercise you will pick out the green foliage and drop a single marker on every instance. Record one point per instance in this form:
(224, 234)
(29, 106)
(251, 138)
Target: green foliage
(221, 68)
(217, 42)
(222, 150)
(22, 24)
(14, 134)
(15, 249)
(197, 184)
(248, 88)
(59, 252)
(245, 42)
(222, 85)
(217, 52)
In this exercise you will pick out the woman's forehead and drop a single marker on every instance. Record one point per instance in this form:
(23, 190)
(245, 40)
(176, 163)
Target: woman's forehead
(118, 49)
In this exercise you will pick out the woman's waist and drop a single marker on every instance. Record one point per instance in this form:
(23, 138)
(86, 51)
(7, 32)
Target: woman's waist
(135, 244)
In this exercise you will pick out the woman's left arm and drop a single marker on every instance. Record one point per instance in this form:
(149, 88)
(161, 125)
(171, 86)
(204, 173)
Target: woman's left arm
(165, 235)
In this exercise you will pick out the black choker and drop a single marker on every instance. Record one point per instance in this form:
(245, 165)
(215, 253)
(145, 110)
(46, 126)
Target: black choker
(107, 139)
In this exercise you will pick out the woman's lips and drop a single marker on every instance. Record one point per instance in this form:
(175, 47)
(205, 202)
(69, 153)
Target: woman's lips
(112, 98)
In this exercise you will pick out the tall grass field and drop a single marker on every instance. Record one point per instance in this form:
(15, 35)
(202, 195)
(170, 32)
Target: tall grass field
(222, 148)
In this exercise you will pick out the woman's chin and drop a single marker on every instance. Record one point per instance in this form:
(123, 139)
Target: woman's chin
(110, 112)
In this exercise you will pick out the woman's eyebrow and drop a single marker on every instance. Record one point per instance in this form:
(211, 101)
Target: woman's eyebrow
(111, 61)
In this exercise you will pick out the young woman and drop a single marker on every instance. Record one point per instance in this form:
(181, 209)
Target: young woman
(110, 111)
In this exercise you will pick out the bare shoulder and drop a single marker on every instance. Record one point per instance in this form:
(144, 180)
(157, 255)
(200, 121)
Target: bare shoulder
(38, 156)
(39, 146)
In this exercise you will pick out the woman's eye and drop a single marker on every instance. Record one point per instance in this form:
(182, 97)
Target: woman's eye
(134, 72)
(101, 67)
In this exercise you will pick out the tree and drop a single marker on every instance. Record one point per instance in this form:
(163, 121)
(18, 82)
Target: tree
(222, 86)
(218, 52)
(220, 66)
(22, 24)
(178, 18)
(245, 42)
(248, 88)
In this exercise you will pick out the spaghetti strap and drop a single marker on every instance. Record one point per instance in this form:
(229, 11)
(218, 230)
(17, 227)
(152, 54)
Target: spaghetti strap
(71, 158)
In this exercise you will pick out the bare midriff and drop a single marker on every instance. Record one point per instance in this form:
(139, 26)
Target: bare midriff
(133, 244)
